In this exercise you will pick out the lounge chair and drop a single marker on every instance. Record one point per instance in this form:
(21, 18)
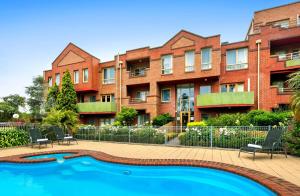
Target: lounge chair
(36, 137)
(61, 136)
(270, 144)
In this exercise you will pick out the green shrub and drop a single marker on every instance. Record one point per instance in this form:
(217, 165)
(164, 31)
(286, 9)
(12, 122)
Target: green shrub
(162, 119)
(228, 120)
(254, 117)
(13, 137)
(197, 124)
(121, 134)
(126, 116)
(293, 140)
(65, 119)
(147, 135)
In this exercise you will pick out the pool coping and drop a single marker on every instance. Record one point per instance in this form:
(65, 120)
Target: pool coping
(278, 185)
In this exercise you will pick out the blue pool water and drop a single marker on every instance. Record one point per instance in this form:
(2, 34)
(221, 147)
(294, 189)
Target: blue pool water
(87, 176)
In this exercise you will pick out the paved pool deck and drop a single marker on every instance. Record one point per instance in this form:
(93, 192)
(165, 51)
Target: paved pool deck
(285, 168)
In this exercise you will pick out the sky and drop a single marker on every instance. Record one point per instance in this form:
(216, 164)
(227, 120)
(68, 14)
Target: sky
(34, 32)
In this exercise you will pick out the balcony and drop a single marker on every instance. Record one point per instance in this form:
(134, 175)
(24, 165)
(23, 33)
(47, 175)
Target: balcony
(140, 72)
(137, 100)
(97, 107)
(230, 99)
(291, 59)
(138, 67)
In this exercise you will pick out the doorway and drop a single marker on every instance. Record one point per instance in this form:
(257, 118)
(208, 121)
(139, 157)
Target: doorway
(185, 118)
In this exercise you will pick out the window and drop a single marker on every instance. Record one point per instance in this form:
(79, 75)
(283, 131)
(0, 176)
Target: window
(81, 98)
(141, 95)
(50, 81)
(237, 59)
(189, 61)
(85, 77)
(106, 121)
(93, 98)
(143, 119)
(166, 64)
(138, 72)
(76, 77)
(165, 95)
(282, 24)
(57, 79)
(108, 98)
(109, 75)
(239, 87)
(205, 90)
(91, 121)
(204, 116)
(206, 58)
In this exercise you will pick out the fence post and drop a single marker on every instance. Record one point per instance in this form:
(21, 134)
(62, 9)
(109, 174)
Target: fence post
(129, 129)
(99, 131)
(211, 137)
(269, 128)
(166, 136)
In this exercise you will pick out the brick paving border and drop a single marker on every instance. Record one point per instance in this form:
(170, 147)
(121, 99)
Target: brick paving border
(280, 186)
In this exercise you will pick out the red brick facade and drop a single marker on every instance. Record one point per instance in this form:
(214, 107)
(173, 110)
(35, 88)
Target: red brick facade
(274, 47)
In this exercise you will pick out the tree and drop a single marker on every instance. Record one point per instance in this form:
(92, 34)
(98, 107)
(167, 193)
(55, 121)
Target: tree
(51, 101)
(6, 111)
(62, 118)
(15, 101)
(36, 97)
(67, 98)
(294, 84)
(162, 119)
(126, 116)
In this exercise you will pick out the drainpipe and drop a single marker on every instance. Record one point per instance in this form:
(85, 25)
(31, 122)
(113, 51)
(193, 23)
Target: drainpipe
(119, 64)
(116, 76)
(258, 42)
(248, 85)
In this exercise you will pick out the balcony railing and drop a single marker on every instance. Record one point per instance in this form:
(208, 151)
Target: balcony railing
(292, 59)
(285, 91)
(225, 99)
(138, 100)
(97, 107)
(139, 73)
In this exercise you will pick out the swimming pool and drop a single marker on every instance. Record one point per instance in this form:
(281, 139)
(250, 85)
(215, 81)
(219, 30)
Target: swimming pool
(88, 176)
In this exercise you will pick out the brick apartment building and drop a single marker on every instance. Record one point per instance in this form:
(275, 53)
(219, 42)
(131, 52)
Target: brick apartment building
(190, 76)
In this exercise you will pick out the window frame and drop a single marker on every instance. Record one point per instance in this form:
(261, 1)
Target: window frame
(108, 80)
(282, 23)
(50, 81)
(162, 64)
(57, 75)
(237, 65)
(111, 98)
(92, 98)
(235, 89)
(161, 96)
(186, 67)
(205, 86)
(74, 75)
(210, 59)
(83, 77)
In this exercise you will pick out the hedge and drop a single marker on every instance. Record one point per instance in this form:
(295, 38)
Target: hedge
(121, 134)
(254, 117)
(293, 139)
(13, 137)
